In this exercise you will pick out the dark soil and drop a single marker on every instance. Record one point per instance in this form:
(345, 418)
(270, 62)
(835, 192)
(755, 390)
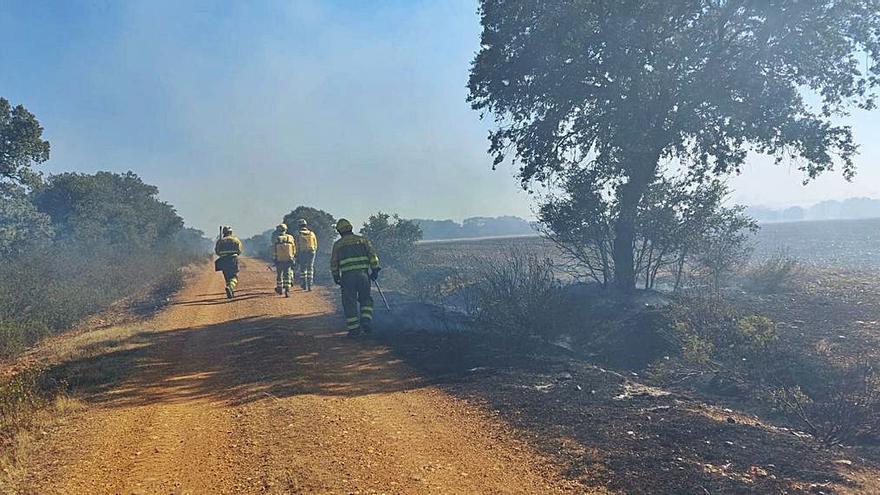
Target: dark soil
(609, 429)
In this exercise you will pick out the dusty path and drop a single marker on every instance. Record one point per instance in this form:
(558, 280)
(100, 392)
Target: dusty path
(265, 394)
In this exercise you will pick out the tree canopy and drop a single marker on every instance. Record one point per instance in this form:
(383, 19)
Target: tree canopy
(21, 144)
(613, 88)
(320, 222)
(21, 224)
(107, 208)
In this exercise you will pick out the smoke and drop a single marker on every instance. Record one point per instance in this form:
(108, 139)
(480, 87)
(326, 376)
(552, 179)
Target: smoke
(240, 112)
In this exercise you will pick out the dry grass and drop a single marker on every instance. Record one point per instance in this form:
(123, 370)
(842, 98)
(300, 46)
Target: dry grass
(18, 445)
(33, 399)
(39, 388)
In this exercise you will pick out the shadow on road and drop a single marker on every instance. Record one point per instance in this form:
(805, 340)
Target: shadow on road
(582, 417)
(237, 362)
(213, 299)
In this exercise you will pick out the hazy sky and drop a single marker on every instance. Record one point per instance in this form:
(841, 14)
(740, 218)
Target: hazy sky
(239, 111)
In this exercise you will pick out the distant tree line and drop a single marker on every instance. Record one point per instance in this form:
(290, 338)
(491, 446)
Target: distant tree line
(852, 208)
(474, 227)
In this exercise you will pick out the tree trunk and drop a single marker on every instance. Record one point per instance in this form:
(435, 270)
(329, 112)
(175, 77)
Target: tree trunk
(642, 172)
(624, 243)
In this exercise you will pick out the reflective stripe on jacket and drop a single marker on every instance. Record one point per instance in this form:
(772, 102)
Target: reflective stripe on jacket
(228, 245)
(352, 252)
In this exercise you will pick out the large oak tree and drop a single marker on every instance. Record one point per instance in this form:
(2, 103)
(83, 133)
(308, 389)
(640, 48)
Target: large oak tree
(612, 87)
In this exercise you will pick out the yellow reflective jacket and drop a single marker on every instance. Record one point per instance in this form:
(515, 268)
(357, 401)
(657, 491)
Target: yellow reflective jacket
(352, 252)
(306, 240)
(283, 247)
(227, 246)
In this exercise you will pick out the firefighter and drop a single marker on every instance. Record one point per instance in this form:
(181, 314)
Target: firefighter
(306, 246)
(228, 248)
(283, 253)
(354, 264)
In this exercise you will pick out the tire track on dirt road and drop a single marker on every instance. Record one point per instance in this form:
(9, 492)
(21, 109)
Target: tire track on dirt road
(266, 395)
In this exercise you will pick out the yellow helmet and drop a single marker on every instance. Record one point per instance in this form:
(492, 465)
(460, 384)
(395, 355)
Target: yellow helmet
(282, 227)
(343, 225)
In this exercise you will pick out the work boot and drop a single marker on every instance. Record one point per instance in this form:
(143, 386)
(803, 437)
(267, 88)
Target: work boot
(367, 326)
(303, 284)
(278, 290)
(229, 293)
(287, 292)
(354, 333)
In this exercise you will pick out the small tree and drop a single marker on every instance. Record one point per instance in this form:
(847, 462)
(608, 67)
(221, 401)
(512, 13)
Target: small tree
(579, 222)
(320, 222)
(393, 237)
(724, 245)
(609, 89)
(676, 222)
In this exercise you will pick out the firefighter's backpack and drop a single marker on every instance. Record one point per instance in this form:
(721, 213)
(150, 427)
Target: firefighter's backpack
(283, 250)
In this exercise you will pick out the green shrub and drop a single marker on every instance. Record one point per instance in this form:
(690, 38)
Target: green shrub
(773, 275)
(754, 333)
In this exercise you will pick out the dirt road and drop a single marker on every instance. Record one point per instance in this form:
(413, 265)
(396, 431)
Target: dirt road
(266, 394)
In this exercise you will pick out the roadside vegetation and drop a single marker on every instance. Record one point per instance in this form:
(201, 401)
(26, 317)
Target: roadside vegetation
(714, 333)
(71, 245)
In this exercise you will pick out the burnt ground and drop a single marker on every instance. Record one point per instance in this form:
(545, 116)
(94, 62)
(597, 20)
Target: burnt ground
(607, 428)
(828, 311)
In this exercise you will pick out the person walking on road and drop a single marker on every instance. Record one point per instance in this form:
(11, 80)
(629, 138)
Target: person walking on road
(228, 248)
(284, 254)
(354, 263)
(306, 246)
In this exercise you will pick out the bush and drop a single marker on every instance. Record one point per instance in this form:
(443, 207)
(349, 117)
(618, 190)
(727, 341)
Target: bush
(519, 297)
(713, 342)
(754, 334)
(16, 336)
(20, 395)
(773, 275)
(841, 405)
(393, 237)
(728, 353)
(722, 246)
(45, 291)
